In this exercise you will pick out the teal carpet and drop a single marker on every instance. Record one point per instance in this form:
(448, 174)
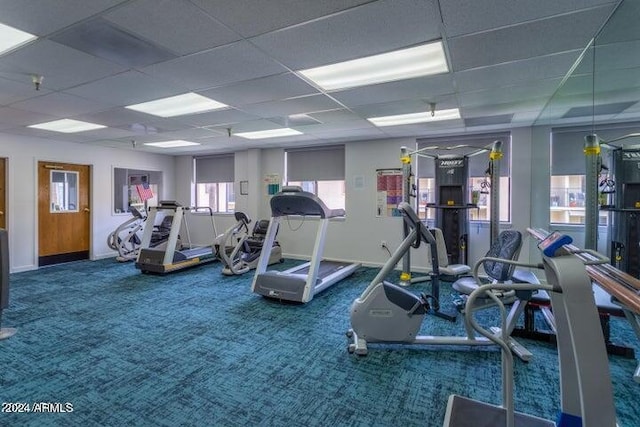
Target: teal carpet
(196, 348)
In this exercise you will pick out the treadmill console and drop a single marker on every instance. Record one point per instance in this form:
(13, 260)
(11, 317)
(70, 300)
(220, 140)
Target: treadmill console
(553, 242)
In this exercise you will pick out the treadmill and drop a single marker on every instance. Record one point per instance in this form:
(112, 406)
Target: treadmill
(301, 283)
(172, 256)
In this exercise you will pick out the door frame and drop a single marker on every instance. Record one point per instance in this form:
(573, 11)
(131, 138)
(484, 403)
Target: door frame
(36, 219)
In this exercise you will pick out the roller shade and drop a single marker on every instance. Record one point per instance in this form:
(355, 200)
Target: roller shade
(478, 164)
(215, 169)
(567, 145)
(315, 164)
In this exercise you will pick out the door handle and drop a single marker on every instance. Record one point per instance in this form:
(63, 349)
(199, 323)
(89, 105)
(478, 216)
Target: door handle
(87, 210)
(1, 213)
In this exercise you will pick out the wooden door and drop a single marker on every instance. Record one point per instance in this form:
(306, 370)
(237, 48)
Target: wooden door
(3, 193)
(63, 212)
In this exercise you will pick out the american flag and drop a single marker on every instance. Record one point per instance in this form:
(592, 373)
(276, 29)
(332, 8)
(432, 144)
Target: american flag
(144, 191)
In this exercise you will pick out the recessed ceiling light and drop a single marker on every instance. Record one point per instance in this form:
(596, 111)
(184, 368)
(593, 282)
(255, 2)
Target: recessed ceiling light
(11, 38)
(408, 63)
(67, 126)
(407, 119)
(271, 133)
(172, 144)
(188, 103)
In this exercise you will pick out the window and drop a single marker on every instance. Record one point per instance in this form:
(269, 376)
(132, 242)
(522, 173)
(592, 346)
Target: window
(64, 191)
(214, 176)
(478, 164)
(568, 170)
(319, 171)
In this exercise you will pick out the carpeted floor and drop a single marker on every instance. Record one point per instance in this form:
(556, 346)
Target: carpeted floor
(196, 348)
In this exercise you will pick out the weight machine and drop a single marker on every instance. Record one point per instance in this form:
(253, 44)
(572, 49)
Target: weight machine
(452, 191)
(451, 204)
(616, 190)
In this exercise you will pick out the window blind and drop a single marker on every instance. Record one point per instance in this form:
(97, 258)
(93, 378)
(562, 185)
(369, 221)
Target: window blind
(215, 169)
(315, 164)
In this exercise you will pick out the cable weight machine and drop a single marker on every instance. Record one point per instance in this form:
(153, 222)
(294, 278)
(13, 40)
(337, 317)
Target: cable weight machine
(618, 192)
(452, 192)
(451, 204)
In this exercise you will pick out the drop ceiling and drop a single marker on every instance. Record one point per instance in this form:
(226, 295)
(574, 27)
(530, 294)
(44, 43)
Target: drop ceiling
(507, 62)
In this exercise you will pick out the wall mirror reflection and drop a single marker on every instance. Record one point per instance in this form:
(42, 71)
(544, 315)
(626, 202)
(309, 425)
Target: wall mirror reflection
(135, 188)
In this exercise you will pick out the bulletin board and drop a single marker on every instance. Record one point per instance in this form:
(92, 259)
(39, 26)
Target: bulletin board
(388, 192)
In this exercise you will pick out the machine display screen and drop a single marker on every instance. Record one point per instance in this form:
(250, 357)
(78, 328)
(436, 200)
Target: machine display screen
(553, 242)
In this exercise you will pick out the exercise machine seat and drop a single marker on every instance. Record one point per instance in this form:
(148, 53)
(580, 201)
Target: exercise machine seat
(506, 246)
(443, 259)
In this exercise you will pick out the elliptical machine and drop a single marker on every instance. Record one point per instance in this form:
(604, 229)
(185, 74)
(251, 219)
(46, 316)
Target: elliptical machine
(245, 248)
(126, 239)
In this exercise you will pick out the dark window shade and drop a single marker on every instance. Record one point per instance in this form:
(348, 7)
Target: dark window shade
(215, 169)
(567, 145)
(478, 164)
(315, 164)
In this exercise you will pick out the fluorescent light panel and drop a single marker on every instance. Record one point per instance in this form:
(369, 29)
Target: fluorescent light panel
(408, 119)
(171, 144)
(11, 38)
(423, 60)
(179, 105)
(67, 126)
(271, 133)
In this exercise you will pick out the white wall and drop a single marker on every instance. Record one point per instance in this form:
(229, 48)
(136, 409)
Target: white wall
(23, 155)
(355, 238)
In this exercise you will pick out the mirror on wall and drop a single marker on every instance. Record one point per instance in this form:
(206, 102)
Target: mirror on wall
(602, 86)
(135, 187)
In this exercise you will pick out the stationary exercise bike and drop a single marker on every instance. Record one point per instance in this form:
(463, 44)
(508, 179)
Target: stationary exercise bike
(388, 313)
(240, 251)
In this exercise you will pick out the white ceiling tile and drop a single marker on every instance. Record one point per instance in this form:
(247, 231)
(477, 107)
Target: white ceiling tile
(219, 117)
(132, 120)
(403, 107)
(61, 66)
(506, 94)
(267, 16)
(488, 109)
(321, 128)
(264, 89)
(13, 91)
(128, 88)
(300, 105)
(223, 65)
(507, 58)
(249, 126)
(61, 105)
(561, 33)
(470, 16)
(374, 28)
(17, 117)
(335, 116)
(611, 57)
(349, 134)
(511, 73)
(177, 25)
(431, 88)
(43, 17)
(192, 134)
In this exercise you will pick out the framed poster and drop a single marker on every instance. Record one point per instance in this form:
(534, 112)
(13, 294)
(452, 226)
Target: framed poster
(388, 191)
